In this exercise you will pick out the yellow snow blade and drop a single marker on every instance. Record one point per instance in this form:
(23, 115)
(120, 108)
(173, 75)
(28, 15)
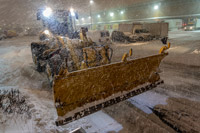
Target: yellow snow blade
(76, 90)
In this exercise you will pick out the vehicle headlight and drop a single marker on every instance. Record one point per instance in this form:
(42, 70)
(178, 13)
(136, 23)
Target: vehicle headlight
(47, 32)
(47, 12)
(191, 28)
(185, 28)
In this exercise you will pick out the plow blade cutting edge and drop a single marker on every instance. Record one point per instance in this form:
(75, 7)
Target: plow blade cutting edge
(78, 94)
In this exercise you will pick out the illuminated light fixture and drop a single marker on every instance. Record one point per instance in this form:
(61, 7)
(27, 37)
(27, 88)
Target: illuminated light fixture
(82, 19)
(98, 16)
(89, 17)
(156, 7)
(47, 32)
(72, 11)
(122, 12)
(111, 14)
(91, 1)
(191, 28)
(47, 12)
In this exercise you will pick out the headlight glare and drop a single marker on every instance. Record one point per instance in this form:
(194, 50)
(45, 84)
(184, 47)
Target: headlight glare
(47, 12)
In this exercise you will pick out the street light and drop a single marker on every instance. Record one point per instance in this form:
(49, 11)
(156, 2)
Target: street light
(98, 16)
(111, 14)
(122, 12)
(82, 19)
(156, 7)
(91, 1)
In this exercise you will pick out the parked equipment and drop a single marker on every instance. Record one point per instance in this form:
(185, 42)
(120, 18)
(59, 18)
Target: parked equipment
(99, 36)
(140, 32)
(191, 24)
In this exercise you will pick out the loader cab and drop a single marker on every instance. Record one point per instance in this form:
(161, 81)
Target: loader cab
(60, 22)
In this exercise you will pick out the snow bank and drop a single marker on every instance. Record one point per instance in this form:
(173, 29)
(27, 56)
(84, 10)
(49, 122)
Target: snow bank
(196, 51)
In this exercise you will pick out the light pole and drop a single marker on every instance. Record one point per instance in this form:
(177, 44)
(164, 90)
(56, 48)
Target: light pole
(91, 2)
(73, 18)
(156, 7)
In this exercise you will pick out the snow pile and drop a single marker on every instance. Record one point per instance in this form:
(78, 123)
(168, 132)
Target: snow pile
(196, 51)
(12, 103)
(18, 69)
(15, 110)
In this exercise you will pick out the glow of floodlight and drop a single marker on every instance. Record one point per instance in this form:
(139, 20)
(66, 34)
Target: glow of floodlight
(111, 14)
(91, 1)
(156, 7)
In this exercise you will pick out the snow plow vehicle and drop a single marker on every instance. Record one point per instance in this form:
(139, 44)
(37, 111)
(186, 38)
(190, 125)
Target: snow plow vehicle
(83, 78)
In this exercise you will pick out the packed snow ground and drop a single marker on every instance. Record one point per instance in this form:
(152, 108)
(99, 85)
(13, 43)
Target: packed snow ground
(17, 71)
